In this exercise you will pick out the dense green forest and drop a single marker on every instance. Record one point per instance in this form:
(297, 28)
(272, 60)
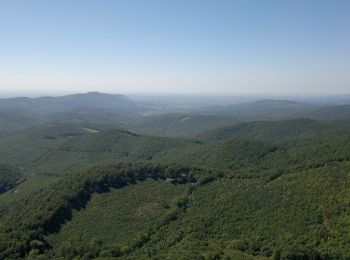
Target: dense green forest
(9, 177)
(250, 190)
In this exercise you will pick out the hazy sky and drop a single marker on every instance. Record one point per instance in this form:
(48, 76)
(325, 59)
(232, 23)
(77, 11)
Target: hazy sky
(175, 46)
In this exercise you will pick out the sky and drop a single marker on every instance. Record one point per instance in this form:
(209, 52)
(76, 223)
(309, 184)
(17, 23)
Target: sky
(183, 46)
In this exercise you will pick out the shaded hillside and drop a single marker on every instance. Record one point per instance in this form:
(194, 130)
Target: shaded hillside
(273, 131)
(282, 110)
(333, 113)
(265, 110)
(9, 177)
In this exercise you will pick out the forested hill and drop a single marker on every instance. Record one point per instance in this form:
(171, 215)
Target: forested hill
(241, 192)
(61, 149)
(156, 116)
(9, 177)
(276, 130)
(89, 108)
(51, 105)
(277, 109)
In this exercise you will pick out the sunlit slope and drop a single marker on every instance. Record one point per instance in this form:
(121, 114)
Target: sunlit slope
(301, 214)
(118, 217)
(194, 217)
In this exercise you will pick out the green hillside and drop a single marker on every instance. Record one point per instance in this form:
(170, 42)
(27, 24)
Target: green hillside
(273, 131)
(300, 215)
(91, 108)
(214, 217)
(9, 177)
(121, 215)
(239, 192)
(61, 149)
(268, 109)
(155, 117)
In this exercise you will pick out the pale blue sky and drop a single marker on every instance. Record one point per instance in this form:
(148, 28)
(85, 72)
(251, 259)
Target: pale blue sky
(182, 46)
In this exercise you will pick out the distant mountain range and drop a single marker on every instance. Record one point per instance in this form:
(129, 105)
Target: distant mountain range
(267, 109)
(92, 107)
(52, 105)
(99, 109)
(271, 109)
